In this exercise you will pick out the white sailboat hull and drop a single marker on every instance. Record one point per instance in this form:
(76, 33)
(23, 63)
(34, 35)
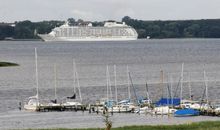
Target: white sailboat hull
(163, 110)
(50, 38)
(30, 107)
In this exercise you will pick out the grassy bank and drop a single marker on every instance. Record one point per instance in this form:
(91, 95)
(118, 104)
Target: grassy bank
(7, 64)
(191, 126)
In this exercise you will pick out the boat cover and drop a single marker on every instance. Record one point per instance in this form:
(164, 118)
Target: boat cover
(168, 102)
(186, 112)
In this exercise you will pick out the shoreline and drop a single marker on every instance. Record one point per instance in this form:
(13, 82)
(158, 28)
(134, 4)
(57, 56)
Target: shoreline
(21, 40)
(8, 64)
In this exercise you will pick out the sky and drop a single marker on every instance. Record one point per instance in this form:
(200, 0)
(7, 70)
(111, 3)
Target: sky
(101, 10)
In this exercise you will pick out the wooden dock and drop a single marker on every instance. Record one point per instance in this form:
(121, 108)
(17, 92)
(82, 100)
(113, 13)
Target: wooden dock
(59, 107)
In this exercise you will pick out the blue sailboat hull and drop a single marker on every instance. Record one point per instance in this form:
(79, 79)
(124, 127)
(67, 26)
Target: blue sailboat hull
(186, 112)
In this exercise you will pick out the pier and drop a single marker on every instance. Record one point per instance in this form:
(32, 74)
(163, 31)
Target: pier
(60, 107)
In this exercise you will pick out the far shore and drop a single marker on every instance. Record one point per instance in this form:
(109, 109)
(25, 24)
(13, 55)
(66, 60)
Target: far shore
(21, 40)
(8, 64)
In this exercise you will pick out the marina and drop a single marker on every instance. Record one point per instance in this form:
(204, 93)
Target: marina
(112, 71)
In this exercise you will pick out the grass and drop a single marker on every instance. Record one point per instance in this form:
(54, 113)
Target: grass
(192, 126)
(7, 64)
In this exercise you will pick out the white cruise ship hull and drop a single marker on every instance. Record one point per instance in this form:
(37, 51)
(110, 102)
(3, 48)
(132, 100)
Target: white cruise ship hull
(48, 38)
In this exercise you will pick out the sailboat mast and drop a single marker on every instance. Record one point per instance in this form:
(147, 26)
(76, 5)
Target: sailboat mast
(128, 83)
(55, 81)
(74, 76)
(161, 82)
(133, 87)
(77, 76)
(168, 88)
(116, 89)
(110, 85)
(36, 72)
(190, 89)
(107, 82)
(206, 87)
(147, 92)
(171, 89)
(181, 83)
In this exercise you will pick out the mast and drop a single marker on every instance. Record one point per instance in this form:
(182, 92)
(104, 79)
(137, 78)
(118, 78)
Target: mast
(147, 92)
(116, 89)
(168, 89)
(133, 88)
(181, 83)
(77, 76)
(128, 83)
(55, 82)
(161, 81)
(206, 87)
(36, 72)
(77, 79)
(74, 76)
(107, 82)
(171, 89)
(110, 85)
(190, 89)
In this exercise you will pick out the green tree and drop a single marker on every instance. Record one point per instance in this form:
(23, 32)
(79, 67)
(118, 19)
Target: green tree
(192, 30)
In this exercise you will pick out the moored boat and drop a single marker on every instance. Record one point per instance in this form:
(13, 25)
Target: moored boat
(33, 102)
(163, 110)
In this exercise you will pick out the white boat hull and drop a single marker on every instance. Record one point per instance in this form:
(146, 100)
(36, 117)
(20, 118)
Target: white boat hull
(50, 38)
(163, 110)
(30, 107)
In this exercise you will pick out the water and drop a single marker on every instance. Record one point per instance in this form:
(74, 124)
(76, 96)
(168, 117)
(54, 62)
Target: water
(145, 58)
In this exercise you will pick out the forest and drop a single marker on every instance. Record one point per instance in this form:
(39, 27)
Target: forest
(204, 28)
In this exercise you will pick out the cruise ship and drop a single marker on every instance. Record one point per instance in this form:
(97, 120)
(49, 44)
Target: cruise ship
(111, 31)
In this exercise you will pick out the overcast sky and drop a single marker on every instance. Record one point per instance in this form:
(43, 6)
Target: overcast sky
(100, 10)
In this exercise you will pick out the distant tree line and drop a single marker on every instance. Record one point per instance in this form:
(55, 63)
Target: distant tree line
(27, 29)
(207, 28)
(6, 31)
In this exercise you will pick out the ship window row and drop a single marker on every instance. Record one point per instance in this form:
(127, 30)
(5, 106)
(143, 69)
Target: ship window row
(82, 32)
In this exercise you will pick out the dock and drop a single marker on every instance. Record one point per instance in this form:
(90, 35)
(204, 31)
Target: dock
(60, 107)
(209, 112)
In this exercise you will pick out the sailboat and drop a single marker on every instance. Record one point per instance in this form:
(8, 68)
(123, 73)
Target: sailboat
(33, 101)
(145, 104)
(69, 100)
(198, 105)
(128, 100)
(165, 106)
